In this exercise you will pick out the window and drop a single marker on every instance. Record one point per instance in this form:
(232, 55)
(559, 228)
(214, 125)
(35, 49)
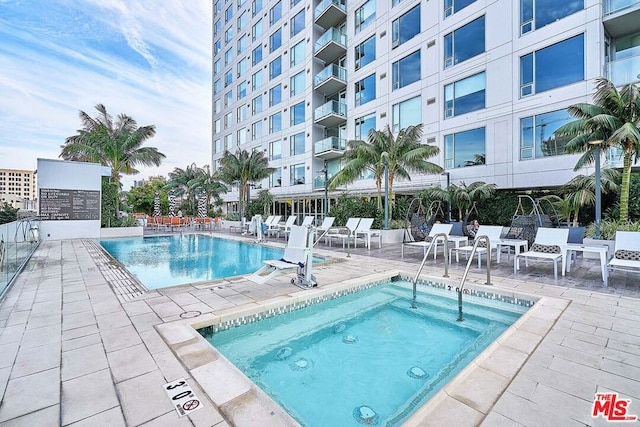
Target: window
(464, 149)
(275, 40)
(256, 105)
(406, 70)
(242, 43)
(365, 15)
(365, 52)
(217, 47)
(366, 90)
(228, 35)
(217, 86)
(275, 122)
(406, 113)
(297, 174)
(294, 2)
(217, 105)
(217, 126)
(241, 113)
(276, 178)
(228, 98)
(242, 136)
(453, 6)
(297, 113)
(228, 142)
(256, 130)
(242, 21)
(275, 95)
(297, 54)
(537, 138)
(256, 80)
(554, 66)
(228, 14)
(228, 56)
(464, 96)
(364, 125)
(297, 84)
(256, 55)
(275, 67)
(242, 90)
(297, 23)
(217, 146)
(256, 7)
(464, 43)
(536, 14)
(256, 30)
(217, 66)
(275, 13)
(275, 150)
(217, 27)
(242, 67)
(297, 144)
(217, 7)
(228, 78)
(406, 27)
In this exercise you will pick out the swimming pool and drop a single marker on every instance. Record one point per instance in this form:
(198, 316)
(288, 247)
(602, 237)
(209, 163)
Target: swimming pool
(163, 261)
(363, 358)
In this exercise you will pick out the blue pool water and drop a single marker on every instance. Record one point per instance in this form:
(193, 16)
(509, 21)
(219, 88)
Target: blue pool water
(163, 261)
(366, 358)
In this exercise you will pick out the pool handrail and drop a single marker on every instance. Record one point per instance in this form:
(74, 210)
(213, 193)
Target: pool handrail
(434, 239)
(460, 288)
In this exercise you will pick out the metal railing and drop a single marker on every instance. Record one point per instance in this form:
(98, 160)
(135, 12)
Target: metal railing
(460, 288)
(18, 240)
(331, 70)
(332, 34)
(331, 107)
(434, 241)
(613, 6)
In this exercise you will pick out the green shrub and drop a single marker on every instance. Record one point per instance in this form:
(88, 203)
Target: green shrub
(608, 228)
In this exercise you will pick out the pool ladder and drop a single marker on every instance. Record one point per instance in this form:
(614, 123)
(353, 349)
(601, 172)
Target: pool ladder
(434, 241)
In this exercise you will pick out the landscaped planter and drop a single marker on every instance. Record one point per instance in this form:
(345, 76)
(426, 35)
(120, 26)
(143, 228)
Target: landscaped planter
(598, 242)
(392, 236)
(106, 233)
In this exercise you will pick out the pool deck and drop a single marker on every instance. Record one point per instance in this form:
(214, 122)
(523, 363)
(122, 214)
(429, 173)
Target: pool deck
(78, 348)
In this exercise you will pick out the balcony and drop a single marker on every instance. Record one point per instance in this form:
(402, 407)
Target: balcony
(330, 45)
(330, 13)
(318, 183)
(621, 17)
(331, 114)
(623, 71)
(330, 148)
(330, 80)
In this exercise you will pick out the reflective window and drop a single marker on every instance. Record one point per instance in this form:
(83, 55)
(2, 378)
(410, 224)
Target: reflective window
(406, 27)
(228, 14)
(217, 47)
(464, 96)
(535, 14)
(297, 113)
(297, 84)
(256, 105)
(364, 125)
(217, 105)
(275, 95)
(217, 126)
(464, 43)
(406, 70)
(366, 90)
(275, 122)
(296, 143)
(256, 80)
(297, 174)
(256, 130)
(217, 7)
(537, 138)
(242, 90)
(228, 56)
(276, 178)
(275, 67)
(228, 35)
(217, 27)
(297, 54)
(294, 2)
(554, 66)
(275, 40)
(256, 30)
(228, 142)
(228, 78)
(217, 66)
(242, 44)
(242, 67)
(464, 149)
(365, 52)
(406, 113)
(217, 146)
(453, 6)
(297, 23)
(275, 13)
(242, 21)
(365, 15)
(275, 150)
(228, 98)
(241, 113)
(241, 136)
(217, 86)
(256, 55)
(256, 7)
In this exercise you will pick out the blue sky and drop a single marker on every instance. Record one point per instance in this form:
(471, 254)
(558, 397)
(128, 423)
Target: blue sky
(148, 59)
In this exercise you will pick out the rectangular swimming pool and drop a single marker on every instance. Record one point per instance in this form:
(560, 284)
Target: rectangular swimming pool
(367, 357)
(163, 261)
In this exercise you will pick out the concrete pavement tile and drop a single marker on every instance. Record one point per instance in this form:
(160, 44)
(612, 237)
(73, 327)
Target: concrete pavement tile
(153, 341)
(449, 412)
(522, 386)
(47, 417)
(49, 295)
(87, 395)
(68, 288)
(170, 419)
(562, 403)
(32, 360)
(184, 298)
(623, 369)
(17, 317)
(130, 362)
(561, 351)
(110, 418)
(76, 296)
(105, 307)
(136, 307)
(529, 413)
(505, 361)
(145, 322)
(13, 333)
(632, 349)
(40, 320)
(41, 336)
(116, 339)
(559, 381)
(209, 414)
(496, 420)
(78, 320)
(199, 306)
(47, 307)
(480, 389)
(80, 342)
(30, 393)
(143, 398)
(76, 307)
(167, 309)
(170, 367)
(83, 361)
(113, 320)
(80, 332)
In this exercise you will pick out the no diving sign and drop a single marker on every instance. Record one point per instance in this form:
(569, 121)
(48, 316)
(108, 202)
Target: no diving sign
(182, 397)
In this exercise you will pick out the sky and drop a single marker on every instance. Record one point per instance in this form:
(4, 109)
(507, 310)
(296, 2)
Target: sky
(150, 60)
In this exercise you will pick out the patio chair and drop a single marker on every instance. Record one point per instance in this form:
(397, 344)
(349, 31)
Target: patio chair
(364, 230)
(492, 232)
(308, 221)
(626, 255)
(327, 222)
(424, 244)
(297, 254)
(550, 244)
(338, 232)
(287, 225)
(274, 225)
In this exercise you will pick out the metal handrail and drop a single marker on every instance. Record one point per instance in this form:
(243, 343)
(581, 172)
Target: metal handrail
(466, 270)
(434, 240)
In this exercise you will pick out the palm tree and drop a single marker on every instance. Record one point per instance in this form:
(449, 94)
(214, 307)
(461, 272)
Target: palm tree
(613, 118)
(179, 183)
(117, 145)
(580, 191)
(243, 168)
(463, 196)
(404, 154)
(206, 183)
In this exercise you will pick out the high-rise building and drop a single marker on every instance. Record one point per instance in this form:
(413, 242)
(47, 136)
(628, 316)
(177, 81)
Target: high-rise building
(490, 80)
(18, 188)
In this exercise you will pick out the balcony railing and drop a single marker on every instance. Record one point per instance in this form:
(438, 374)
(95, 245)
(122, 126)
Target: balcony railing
(332, 34)
(330, 13)
(330, 45)
(625, 70)
(613, 6)
(333, 143)
(331, 113)
(332, 70)
(318, 183)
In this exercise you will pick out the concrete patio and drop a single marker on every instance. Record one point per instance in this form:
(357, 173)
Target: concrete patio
(79, 347)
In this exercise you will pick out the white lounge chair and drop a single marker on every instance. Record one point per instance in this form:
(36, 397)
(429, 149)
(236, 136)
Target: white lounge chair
(291, 220)
(435, 229)
(308, 221)
(492, 232)
(364, 231)
(296, 255)
(348, 231)
(273, 226)
(626, 255)
(327, 223)
(550, 244)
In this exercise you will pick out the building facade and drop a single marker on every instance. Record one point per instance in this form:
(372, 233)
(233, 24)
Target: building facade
(490, 80)
(18, 188)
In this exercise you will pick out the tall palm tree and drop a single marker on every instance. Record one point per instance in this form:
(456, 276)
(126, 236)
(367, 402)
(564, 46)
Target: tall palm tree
(581, 190)
(613, 118)
(404, 154)
(117, 145)
(243, 168)
(463, 195)
(206, 183)
(179, 183)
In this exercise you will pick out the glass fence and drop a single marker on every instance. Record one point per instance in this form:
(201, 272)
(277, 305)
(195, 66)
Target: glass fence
(18, 240)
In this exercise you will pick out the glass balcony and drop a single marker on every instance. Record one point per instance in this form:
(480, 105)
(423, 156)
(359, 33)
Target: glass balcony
(330, 13)
(330, 80)
(330, 148)
(621, 17)
(330, 45)
(613, 6)
(331, 114)
(318, 183)
(625, 70)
